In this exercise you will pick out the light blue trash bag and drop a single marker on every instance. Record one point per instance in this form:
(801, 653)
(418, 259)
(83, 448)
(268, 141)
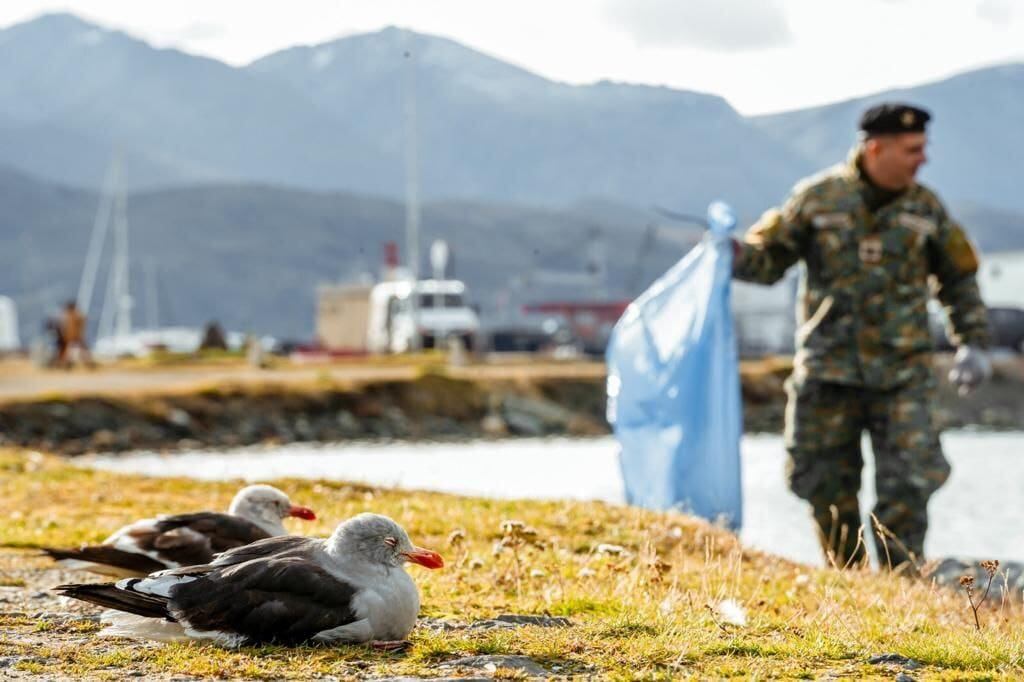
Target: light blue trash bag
(674, 389)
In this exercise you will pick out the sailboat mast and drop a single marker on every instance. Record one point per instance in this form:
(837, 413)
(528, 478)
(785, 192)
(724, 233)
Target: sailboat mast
(124, 300)
(96, 240)
(115, 316)
(152, 300)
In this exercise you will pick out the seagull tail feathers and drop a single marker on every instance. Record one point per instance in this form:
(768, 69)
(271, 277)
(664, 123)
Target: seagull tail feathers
(105, 560)
(113, 597)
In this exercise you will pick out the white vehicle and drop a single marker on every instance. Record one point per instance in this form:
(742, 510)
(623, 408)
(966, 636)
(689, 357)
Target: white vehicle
(441, 313)
(385, 317)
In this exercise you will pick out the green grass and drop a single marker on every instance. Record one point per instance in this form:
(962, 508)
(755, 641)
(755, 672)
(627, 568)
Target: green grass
(645, 614)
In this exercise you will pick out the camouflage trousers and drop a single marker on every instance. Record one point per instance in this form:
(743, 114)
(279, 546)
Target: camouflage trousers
(824, 424)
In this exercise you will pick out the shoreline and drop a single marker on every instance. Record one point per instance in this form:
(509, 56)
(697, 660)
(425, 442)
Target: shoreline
(395, 402)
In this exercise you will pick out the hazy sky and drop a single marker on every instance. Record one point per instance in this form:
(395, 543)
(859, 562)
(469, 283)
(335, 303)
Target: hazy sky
(762, 55)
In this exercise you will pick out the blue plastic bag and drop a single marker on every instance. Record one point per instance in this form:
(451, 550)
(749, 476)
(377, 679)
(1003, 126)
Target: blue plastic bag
(674, 389)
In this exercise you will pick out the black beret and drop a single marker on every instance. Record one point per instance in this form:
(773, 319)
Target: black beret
(888, 118)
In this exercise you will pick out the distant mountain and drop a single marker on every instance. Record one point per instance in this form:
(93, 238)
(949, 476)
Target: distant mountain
(331, 117)
(252, 185)
(993, 230)
(492, 130)
(77, 92)
(977, 140)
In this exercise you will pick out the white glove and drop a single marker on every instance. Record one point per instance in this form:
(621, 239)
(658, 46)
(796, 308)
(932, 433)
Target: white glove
(971, 367)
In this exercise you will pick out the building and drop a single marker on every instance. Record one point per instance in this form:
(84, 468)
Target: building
(9, 340)
(342, 316)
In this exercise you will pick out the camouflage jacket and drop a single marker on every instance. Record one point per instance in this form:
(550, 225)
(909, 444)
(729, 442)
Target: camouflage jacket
(862, 308)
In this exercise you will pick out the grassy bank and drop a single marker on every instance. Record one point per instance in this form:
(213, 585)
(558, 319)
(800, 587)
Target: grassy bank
(643, 592)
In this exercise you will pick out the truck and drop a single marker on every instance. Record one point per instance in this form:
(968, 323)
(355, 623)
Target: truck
(387, 317)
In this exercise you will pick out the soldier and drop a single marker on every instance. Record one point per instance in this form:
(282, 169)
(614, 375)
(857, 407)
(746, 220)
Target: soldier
(876, 245)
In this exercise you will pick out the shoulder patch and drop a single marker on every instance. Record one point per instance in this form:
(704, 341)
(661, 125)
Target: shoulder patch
(961, 251)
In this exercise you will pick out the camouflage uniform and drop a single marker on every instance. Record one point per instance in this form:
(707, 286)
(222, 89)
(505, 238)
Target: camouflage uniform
(863, 358)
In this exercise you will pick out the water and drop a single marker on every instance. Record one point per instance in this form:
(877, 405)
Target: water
(977, 514)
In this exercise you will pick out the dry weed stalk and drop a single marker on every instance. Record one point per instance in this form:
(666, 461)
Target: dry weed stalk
(715, 619)
(516, 535)
(885, 536)
(457, 541)
(967, 582)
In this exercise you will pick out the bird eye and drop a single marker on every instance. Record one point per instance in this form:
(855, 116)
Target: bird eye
(390, 541)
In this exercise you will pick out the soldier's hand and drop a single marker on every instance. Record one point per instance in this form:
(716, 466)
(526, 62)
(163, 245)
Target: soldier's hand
(971, 367)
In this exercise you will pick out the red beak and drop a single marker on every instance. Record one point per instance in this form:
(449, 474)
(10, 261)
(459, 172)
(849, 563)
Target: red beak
(424, 557)
(302, 513)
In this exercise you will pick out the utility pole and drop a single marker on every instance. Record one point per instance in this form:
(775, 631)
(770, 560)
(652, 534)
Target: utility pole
(412, 184)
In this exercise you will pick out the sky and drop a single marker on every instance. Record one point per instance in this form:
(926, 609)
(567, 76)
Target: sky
(761, 55)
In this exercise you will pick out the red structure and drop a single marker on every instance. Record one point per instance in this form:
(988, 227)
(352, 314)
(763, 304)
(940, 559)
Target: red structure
(391, 255)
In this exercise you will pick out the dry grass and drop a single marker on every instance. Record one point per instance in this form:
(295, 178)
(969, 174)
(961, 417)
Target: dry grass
(185, 373)
(644, 592)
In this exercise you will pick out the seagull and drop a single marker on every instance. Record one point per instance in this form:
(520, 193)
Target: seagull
(349, 588)
(150, 545)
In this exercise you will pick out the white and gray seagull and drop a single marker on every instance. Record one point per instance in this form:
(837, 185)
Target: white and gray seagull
(149, 545)
(349, 588)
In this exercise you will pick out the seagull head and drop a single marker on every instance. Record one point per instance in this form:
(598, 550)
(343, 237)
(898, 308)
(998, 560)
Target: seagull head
(380, 540)
(266, 506)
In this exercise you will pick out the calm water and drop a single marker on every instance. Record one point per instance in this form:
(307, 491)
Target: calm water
(977, 514)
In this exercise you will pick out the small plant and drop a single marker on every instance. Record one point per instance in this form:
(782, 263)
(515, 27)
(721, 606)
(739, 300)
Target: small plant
(968, 582)
(516, 535)
(457, 541)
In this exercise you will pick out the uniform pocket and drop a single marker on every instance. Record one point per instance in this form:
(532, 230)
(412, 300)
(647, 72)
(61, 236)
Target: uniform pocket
(904, 325)
(831, 250)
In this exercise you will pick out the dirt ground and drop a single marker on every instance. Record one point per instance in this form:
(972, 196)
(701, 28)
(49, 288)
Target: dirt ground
(20, 381)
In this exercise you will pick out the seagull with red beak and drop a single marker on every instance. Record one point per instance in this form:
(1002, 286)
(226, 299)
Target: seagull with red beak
(349, 588)
(149, 545)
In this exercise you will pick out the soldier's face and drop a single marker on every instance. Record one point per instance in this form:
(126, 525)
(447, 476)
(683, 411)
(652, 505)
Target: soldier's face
(898, 157)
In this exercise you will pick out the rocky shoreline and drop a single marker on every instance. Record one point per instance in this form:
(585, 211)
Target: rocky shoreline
(431, 407)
